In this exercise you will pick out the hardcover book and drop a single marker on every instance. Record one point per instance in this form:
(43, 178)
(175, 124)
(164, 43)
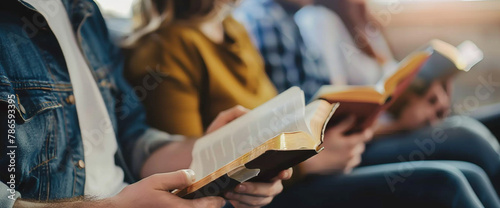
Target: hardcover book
(257, 146)
(367, 102)
(437, 60)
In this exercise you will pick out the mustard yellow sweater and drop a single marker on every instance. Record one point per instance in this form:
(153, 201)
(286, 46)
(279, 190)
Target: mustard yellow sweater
(184, 79)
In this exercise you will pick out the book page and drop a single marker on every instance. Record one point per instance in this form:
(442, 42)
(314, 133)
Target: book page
(407, 69)
(315, 115)
(448, 60)
(470, 54)
(283, 114)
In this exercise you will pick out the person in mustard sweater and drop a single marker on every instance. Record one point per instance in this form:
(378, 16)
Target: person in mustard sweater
(208, 63)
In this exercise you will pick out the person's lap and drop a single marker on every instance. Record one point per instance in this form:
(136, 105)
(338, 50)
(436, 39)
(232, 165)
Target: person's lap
(457, 138)
(490, 117)
(425, 184)
(414, 184)
(479, 182)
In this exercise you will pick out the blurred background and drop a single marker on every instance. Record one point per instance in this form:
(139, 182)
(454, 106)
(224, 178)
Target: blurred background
(453, 21)
(409, 24)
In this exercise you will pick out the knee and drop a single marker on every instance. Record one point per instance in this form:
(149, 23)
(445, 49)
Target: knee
(470, 170)
(445, 174)
(423, 170)
(469, 130)
(464, 124)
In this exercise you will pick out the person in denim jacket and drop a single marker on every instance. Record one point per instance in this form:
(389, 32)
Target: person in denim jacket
(36, 91)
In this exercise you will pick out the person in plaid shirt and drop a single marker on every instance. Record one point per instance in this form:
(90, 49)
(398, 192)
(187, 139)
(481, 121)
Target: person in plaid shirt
(288, 61)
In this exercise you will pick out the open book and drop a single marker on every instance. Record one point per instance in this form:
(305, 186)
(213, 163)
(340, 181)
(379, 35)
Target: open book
(446, 61)
(436, 60)
(367, 102)
(273, 137)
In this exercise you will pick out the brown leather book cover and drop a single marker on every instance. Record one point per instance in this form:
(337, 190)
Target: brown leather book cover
(299, 140)
(270, 164)
(366, 103)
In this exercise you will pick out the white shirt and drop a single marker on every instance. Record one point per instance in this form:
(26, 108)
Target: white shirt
(324, 31)
(103, 177)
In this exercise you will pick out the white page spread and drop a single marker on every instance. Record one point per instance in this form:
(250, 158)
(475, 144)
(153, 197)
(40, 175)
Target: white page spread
(284, 113)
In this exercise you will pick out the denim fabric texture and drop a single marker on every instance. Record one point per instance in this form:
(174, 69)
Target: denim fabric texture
(50, 154)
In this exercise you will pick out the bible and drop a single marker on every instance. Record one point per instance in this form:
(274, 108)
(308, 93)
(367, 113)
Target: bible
(273, 137)
(446, 61)
(436, 60)
(366, 103)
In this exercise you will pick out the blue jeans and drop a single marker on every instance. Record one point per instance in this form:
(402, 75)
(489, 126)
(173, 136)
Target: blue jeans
(490, 117)
(457, 138)
(423, 184)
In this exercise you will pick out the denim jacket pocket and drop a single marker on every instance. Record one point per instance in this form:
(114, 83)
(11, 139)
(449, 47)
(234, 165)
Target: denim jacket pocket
(28, 98)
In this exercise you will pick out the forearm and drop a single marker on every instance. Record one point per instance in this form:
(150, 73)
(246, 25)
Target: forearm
(72, 203)
(171, 157)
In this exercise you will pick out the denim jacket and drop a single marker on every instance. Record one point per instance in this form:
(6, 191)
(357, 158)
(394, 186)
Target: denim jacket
(49, 158)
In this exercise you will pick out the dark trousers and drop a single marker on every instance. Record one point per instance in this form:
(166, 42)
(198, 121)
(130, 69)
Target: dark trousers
(457, 138)
(414, 184)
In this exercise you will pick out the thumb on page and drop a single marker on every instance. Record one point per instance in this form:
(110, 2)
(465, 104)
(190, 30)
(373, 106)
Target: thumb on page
(226, 116)
(174, 180)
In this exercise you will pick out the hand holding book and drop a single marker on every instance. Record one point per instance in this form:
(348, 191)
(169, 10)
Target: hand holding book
(428, 98)
(254, 193)
(341, 152)
(257, 194)
(438, 61)
(153, 191)
(226, 117)
(258, 145)
(368, 102)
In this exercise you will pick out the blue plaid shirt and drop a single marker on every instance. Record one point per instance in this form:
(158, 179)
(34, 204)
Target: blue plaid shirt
(277, 36)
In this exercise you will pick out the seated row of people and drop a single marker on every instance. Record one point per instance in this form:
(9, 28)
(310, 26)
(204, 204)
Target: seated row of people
(81, 130)
(211, 65)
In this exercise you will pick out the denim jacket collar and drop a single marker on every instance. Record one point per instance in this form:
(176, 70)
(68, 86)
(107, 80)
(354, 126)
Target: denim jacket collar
(78, 11)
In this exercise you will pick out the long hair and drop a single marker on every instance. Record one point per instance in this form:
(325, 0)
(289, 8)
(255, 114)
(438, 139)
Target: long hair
(149, 15)
(356, 19)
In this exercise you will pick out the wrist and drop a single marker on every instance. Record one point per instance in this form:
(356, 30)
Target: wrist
(21, 204)
(107, 203)
(73, 203)
(311, 167)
